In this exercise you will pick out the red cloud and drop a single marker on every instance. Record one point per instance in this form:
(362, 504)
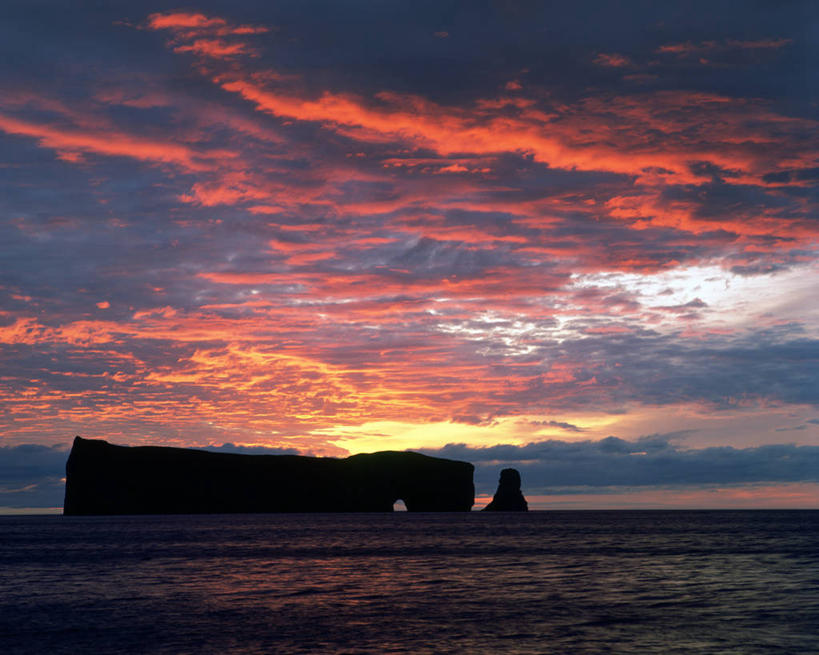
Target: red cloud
(609, 134)
(205, 36)
(183, 20)
(187, 23)
(69, 143)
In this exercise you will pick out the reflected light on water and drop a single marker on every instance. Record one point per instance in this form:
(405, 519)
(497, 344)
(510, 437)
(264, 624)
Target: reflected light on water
(652, 583)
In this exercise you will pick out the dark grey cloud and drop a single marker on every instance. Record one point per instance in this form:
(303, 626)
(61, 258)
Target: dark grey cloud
(558, 424)
(250, 450)
(652, 461)
(640, 365)
(428, 257)
(715, 200)
(32, 475)
(783, 177)
(759, 268)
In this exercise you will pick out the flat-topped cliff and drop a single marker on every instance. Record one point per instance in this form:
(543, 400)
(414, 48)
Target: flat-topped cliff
(102, 478)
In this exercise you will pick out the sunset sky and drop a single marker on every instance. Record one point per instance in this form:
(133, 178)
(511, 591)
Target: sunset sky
(579, 239)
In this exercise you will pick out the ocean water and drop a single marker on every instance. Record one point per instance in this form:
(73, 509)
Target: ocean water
(543, 582)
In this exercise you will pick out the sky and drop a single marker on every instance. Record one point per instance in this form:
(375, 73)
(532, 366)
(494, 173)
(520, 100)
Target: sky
(578, 239)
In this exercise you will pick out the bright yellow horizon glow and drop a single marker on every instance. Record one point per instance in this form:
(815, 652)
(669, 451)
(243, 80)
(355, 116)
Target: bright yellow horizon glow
(395, 435)
(697, 427)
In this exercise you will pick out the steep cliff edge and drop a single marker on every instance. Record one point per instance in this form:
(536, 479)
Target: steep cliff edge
(102, 478)
(508, 497)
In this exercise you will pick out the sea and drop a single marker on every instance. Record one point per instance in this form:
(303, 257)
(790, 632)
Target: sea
(538, 582)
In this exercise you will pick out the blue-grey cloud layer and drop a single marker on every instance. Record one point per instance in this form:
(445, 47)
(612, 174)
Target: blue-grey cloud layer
(31, 475)
(653, 461)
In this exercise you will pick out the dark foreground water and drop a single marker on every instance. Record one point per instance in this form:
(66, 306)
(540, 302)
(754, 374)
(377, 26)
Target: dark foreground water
(543, 582)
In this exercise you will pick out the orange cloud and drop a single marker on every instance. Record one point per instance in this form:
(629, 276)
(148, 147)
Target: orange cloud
(184, 20)
(205, 36)
(70, 143)
(199, 23)
(609, 134)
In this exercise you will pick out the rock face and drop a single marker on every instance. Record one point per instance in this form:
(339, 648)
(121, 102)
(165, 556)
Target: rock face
(105, 479)
(508, 497)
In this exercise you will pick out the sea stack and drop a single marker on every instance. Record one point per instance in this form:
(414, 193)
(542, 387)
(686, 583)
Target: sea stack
(508, 497)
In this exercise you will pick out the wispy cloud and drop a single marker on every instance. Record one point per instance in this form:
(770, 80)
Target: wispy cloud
(210, 37)
(690, 48)
(612, 60)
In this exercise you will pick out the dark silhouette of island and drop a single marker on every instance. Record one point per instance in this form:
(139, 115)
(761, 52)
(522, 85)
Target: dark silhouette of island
(102, 478)
(508, 497)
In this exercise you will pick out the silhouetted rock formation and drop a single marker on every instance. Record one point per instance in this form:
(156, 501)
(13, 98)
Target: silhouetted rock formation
(508, 497)
(105, 479)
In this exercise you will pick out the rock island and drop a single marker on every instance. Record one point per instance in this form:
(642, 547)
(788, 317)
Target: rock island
(102, 478)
